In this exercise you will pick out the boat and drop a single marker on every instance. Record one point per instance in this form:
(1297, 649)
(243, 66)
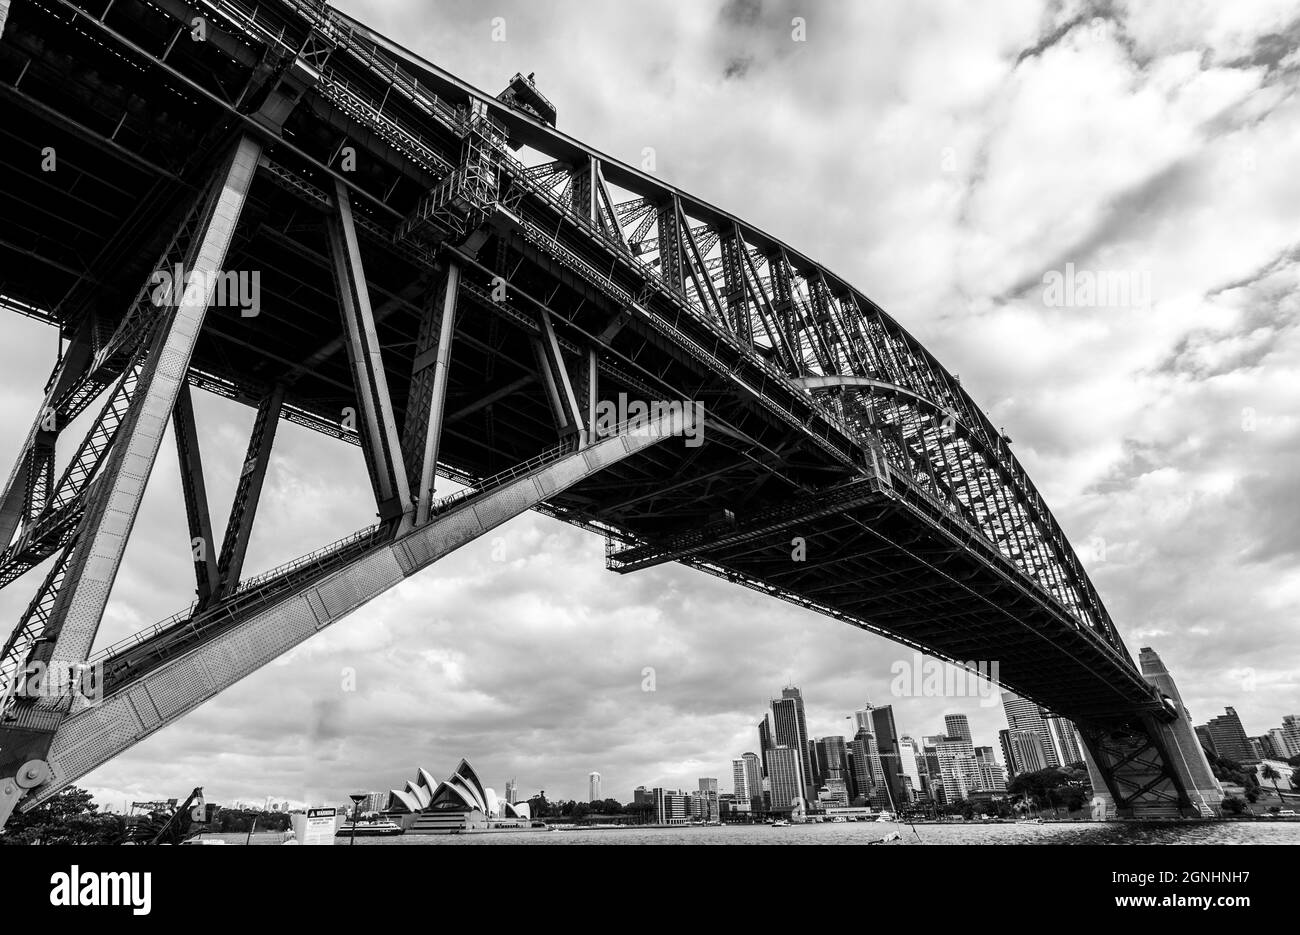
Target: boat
(372, 829)
(1030, 821)
(780, 823)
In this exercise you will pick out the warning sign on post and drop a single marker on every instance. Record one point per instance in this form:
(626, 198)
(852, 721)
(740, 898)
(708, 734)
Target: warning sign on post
(316, 825)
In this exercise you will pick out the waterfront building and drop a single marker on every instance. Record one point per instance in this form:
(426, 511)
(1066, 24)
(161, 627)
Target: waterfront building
(1023, 714)
(990, 776)
(754, 780)
(1064, 737)
(641, 795)
(457, 804)
(909, 758)
(671, 808)
(890, 760)
(739, 778)
(1023, 750)
(790, 729)
(1228, 738)
(832, 758)
(957, 766)
(785, 773)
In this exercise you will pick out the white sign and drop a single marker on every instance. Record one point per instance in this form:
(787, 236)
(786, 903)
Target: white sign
(316, 825)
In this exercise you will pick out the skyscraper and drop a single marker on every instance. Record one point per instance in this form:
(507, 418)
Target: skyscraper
(864, 766)
(1023, 714)
(957, 725)
(784, 773)
(739, 779)
(991, 778)
(789, 727)
(593, 787)
(1064, 737)
(832, 758)
(754, 778)
(512, 791)
(911, 762)
(1023, 750)
(709, 786)
(958, 768)
(765, 741)
(882, 719)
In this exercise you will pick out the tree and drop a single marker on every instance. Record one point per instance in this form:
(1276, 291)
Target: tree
(1272, 775)
(1233, 805)
(70, 817)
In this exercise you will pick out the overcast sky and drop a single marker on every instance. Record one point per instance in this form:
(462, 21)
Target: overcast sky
(942, 156)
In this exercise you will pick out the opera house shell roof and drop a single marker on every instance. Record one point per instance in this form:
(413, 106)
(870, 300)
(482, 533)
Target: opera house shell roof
(461, 791)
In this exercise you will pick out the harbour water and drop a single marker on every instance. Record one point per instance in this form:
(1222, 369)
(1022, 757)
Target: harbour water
(863, 833)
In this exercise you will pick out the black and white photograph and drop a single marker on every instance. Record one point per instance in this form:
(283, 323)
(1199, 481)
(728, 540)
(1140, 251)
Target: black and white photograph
(450, 423)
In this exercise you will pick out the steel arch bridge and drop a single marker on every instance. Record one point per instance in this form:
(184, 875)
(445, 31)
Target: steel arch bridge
(451, 283)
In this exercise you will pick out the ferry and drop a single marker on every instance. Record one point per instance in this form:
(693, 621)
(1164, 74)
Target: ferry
(372, 829)
(780, 823)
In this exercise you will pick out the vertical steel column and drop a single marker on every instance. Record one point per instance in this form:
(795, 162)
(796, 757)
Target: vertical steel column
(667, 219)
(117, 492)
(206, 577)
(383, 451)
(248, 492)
(438, 395)
(593, 394)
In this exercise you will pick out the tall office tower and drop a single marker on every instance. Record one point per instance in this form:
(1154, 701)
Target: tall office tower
(753, 775)
(1229, 738)
(1257, 744)
(765, 741)
(785, 773)
(593, 787)
(957, 766)
(910, 759)
(931, 775)
(862, 719)
(957, 725)
(512, 791)
(789, 730)
(739, 779)
(882, 719)
(1064, 737)
(641, 795)
(1023, 750)
(709, 786)
(1023, 714)
(864, 760)
(832, 758)
(1291, 731)
(991, 777)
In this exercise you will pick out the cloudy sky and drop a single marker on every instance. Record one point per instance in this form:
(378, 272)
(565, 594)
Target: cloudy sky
(943, 156)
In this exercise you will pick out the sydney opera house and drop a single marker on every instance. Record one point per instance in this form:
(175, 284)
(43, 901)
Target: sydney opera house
(458, 804)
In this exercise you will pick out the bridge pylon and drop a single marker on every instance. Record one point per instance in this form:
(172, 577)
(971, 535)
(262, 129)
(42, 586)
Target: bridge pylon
(1151, 766)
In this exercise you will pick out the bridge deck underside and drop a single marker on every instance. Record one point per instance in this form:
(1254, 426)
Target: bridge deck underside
(888, 568)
